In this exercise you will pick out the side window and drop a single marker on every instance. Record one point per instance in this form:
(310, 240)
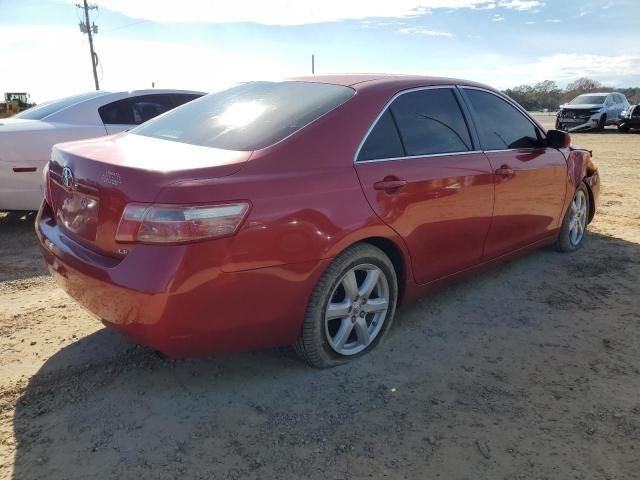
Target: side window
(181, 98)
(383, 141)
(500, 125)
(135, 110)
(430, 122)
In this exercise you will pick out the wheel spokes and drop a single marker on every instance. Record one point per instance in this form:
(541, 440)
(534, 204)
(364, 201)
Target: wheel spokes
(338, 310)
(350, 285)
(375, 305)
(369, 283)
(343, 334)
(362, 331)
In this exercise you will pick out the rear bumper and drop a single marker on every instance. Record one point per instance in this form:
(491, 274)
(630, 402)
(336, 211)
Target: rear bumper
(171, 299)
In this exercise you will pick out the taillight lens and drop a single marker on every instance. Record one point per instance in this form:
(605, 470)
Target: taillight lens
(179, 223)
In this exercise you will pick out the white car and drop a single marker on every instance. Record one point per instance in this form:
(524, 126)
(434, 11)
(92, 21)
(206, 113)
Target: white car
(26, 139)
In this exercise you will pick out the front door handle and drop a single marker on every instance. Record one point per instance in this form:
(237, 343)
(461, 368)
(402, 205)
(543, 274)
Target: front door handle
(504, 171)
(390, 184)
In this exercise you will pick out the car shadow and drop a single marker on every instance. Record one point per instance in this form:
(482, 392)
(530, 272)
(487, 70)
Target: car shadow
(20, 256)
(102, 405)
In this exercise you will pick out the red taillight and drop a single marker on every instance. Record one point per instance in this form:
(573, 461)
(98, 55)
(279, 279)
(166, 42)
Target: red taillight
(179, 223)
(46, 185)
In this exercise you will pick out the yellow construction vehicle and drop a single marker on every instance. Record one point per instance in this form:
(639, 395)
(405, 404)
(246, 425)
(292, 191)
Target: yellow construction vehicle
(14, 103)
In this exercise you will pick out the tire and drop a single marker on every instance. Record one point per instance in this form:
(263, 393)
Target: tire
(558, 125)
(623, 129)
(602, 123)
(568, 240)
(321, 337)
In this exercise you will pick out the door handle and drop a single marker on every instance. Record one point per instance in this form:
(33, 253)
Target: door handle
(390, 184)
(504, 171)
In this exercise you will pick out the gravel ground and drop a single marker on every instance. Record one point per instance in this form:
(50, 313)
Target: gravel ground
(529, 371)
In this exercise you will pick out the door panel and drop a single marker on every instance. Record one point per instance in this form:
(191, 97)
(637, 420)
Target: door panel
(443, 211)
(528, 203)
(530, 178)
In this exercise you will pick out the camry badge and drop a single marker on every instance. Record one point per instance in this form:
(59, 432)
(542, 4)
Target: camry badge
(67, 178)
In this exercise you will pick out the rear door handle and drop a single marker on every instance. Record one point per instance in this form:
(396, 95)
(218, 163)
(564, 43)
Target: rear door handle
(390, 184)
(504, 171)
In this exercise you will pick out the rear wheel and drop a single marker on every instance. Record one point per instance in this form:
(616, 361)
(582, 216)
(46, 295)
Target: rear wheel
(350, 309)
(574, 224)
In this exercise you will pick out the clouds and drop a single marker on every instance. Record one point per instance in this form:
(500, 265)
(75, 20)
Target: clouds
(424, 31)
(522, 5)
(62, 67)
(562, 67)
(287, 12)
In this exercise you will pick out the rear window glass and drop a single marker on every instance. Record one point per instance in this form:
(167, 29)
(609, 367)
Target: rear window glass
(248, 116)
(42, 111)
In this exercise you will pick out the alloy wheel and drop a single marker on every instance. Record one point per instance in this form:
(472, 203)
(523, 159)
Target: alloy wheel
(357, 309)
(578, 218)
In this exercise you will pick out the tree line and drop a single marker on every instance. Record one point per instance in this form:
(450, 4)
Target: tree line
(548, 95)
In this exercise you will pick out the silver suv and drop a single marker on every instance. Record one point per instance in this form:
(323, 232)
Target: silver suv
(591, 111)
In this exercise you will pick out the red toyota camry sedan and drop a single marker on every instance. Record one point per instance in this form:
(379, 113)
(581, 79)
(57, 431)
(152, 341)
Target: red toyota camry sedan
(303, 212)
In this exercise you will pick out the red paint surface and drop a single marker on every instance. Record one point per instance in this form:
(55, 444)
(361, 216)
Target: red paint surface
(309, 202)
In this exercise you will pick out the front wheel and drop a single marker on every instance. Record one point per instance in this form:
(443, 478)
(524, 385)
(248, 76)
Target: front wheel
(602, 122)
(350, 309)
(575, 222)
(623, 129)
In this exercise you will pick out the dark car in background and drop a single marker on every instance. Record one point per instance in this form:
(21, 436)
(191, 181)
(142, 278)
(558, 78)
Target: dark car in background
(591, 111)
(629, 118)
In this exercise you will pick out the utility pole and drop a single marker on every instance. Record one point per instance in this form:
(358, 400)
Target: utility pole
(86, 27)
(313, 64)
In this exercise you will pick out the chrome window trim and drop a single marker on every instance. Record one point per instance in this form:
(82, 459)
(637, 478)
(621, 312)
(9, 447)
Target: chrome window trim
(466, 152)
(384, 109)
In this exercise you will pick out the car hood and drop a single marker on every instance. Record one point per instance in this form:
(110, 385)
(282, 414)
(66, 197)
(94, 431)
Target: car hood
(588, 106)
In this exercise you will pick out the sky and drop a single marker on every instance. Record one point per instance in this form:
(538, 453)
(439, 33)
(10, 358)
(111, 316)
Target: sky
(209, 44)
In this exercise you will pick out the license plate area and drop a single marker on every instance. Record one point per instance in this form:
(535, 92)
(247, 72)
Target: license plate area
(77, 213)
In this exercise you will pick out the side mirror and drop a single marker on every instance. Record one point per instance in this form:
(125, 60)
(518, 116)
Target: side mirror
(558, 139)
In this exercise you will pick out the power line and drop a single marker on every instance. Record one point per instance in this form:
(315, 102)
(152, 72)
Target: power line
(90, 29)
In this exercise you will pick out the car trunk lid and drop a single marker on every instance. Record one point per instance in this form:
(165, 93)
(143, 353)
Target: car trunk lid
(91, 181)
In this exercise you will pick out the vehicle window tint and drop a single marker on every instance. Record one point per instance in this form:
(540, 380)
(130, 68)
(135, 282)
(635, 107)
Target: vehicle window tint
(431, 122)
(248, 116)
(383, 141)
(136, 110)
(39, 112)
(181, 98)
(500, 125)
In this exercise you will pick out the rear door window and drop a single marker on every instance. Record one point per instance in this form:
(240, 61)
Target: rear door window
(249, 116)
(431, 122)
(500, 125)
(383, 141)
(136, 110)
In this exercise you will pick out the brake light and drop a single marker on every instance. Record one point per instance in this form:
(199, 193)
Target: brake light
(179, 223)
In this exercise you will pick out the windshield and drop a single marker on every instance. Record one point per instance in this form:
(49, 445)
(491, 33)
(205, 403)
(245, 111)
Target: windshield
(248, 116)
(45, 109)
(588, 100)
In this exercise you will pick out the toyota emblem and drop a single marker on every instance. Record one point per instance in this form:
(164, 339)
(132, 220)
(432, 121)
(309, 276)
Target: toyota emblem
(67, 178)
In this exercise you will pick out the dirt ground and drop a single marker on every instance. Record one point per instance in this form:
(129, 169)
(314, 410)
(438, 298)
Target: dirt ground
(530, 371)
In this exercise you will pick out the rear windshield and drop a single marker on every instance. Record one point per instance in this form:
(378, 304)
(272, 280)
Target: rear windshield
(588, 100)
(248, 116)
(43, 110)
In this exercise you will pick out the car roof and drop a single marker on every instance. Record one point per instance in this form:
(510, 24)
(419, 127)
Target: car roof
(361, 81)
